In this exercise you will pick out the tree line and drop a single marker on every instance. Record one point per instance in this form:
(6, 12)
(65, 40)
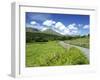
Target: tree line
(44, 37)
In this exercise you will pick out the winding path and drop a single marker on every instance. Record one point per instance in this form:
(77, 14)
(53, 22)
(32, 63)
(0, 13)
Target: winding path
(84, 50)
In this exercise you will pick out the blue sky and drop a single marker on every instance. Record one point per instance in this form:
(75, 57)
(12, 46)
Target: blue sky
(65, 24)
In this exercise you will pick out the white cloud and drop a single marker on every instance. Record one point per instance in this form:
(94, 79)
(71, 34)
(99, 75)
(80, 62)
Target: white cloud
(49, 23)
(66, 32)
(60, 26)
(86, 27)
(71, 29)
(37, 26)
(33, 22)
(72, 26)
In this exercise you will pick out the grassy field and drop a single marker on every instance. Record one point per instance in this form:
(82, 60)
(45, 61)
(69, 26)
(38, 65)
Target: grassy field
(52, 54)
(83, 42)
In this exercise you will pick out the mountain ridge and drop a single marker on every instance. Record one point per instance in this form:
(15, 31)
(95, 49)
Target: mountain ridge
(48, 31)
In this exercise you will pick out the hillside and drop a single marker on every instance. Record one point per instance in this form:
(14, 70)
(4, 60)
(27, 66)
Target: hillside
(48, 31)
(29, 29)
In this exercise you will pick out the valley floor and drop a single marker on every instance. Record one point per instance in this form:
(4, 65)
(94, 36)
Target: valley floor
(53, 54)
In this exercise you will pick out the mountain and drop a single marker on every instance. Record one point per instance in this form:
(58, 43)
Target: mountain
(48, 31)
(29, 29)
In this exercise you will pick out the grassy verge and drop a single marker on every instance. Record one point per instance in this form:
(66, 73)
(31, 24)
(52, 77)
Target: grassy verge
(83, 42)
(52, 54)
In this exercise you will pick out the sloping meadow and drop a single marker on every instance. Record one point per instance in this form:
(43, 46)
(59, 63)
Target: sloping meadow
(52, 54)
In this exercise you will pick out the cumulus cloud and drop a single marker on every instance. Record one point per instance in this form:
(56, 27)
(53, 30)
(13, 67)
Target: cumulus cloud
(86, 27)
(71, 29)
(49, 23)
(66, 32)
(60, 26)
(72, 26)
(33, 22)
(33, 25)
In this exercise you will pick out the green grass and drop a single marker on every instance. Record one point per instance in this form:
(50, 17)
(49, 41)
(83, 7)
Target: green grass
(52, 54)
(83, 42)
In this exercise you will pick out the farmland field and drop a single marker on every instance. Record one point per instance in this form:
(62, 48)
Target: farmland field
(82, 42)
(52, 54)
